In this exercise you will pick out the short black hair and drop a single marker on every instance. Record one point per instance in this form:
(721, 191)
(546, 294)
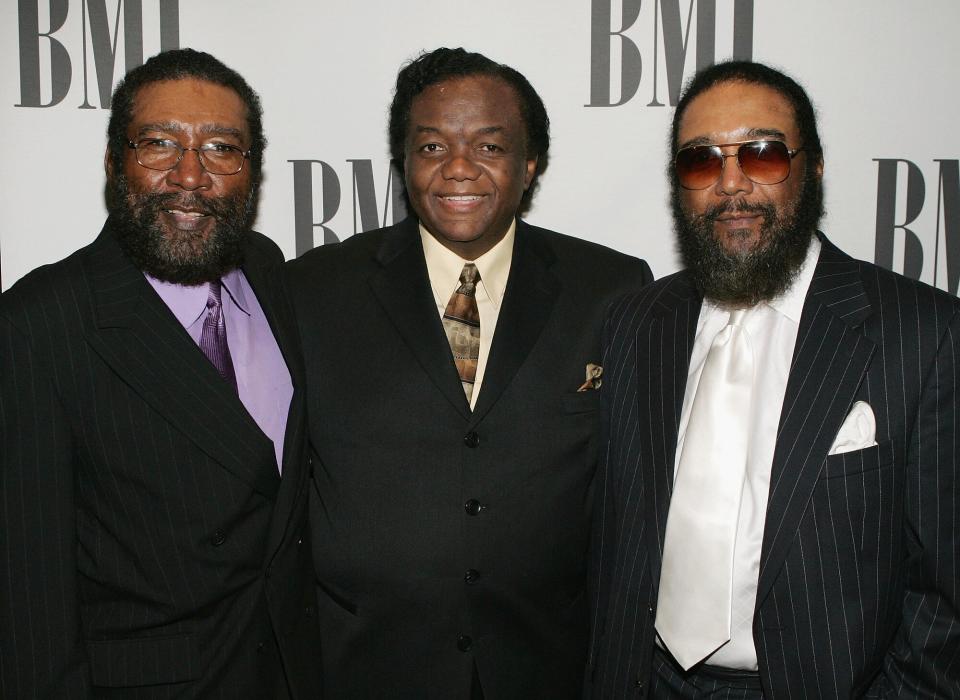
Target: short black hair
(449, 64)
(756, 74)
(179, 64)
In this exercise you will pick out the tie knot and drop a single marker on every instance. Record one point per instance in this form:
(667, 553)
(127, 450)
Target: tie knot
(736, 317)
(469, 277)
(213, 294)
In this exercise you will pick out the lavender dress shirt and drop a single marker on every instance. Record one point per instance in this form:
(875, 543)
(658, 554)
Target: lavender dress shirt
(263, 380)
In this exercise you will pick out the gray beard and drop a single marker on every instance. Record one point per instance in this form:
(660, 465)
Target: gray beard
(180, 257)
(762, 274)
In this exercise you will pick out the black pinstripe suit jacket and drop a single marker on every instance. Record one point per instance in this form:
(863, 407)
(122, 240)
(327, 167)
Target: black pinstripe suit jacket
(141, 513)
(859, 587)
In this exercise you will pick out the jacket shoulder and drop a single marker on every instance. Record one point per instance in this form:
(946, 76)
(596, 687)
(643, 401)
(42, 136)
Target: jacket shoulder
(887, 289)
(262, 250)
(52, 284)
(669, 291)
(581, 258)
(333, 257)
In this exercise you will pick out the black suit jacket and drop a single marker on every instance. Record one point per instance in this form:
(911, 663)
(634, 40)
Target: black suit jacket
(860, 572)
(149, 547)
(445, 538)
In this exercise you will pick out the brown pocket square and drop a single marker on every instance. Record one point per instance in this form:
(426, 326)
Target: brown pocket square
(594, 377)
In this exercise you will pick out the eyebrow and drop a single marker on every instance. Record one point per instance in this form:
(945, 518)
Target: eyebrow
(204, 129)
(421, 129)
(748, 135)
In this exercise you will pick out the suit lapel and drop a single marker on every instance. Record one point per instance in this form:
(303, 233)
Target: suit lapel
(531, 293)
(829, 362)
(137, 335)
(265, 282)
(402, 286)
(663, 359)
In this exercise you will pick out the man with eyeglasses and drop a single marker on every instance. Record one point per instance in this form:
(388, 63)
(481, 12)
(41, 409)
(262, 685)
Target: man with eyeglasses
(152, 469)
(782, 426)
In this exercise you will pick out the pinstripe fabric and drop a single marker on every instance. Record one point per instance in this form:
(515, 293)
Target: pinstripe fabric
(670, 682)
(859, 588)
(140, 506)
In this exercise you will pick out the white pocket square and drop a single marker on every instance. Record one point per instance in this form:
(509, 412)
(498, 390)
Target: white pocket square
(859, 430)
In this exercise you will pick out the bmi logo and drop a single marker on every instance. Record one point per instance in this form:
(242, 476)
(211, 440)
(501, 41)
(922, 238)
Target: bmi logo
(902, 180)
(657, 46)
(70, 53)
(312, 177)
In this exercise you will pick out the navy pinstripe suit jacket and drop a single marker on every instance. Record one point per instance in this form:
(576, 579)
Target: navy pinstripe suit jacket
(141, 512)
(859, 590)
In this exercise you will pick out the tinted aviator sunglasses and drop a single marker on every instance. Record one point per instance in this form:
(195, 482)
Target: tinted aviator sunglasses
(763, 162)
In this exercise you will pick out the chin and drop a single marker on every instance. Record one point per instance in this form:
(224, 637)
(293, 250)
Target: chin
(740, 242)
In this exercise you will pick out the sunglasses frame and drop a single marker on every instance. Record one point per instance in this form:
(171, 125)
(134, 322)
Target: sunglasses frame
(791, 154)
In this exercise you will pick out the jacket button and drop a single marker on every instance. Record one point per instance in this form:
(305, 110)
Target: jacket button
(261, 647)
(471, 439)
(464, 643)
(218, 538)
(650, 610)
(473, 507)
(472, 576)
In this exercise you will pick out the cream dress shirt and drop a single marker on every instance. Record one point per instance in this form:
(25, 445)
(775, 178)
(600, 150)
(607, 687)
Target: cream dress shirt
(444, 268)
(772, 327)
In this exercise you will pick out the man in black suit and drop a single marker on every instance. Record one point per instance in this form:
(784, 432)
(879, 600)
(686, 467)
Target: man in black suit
(153, 471)
(454, 456)
(780, 500)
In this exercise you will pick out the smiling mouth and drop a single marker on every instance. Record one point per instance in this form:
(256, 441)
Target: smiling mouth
(187, 219)
(461, 197)
(185, 212)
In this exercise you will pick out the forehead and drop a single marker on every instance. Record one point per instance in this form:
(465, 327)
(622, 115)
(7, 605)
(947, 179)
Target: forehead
(475, 97)
(189, 102)
(733, 111)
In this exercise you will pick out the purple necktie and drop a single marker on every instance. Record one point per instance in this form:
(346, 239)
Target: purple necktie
(213, 337)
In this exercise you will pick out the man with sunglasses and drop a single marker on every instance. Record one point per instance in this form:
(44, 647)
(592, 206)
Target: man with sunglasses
(780, 501)
(152, 469)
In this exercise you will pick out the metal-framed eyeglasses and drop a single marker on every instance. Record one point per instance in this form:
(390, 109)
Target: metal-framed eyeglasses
(165, 154)
(765, 162)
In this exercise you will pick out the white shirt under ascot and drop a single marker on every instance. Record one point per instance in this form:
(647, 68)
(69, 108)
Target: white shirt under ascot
(444, 268)
(772, 327)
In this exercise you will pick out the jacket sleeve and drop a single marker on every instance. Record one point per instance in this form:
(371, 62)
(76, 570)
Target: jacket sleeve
(924, 659)
(41, 652)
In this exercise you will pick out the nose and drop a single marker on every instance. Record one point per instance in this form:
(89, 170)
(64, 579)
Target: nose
(460, 166)
(732, 180)
(189, 174)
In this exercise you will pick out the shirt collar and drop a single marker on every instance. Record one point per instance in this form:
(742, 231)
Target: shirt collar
(189, 302)
(790, 303)
(444, 266)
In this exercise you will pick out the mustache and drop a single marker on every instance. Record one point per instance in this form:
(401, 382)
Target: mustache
(736, 206)
(219, 208)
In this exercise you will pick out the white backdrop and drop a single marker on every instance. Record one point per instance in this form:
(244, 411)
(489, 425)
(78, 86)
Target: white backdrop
(882, 73)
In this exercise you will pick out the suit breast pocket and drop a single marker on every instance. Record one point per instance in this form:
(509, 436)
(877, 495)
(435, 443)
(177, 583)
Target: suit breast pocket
(580, 402)
(857, 508)
(847, 464)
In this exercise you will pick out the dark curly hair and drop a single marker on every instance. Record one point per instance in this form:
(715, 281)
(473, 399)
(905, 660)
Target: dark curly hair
(179, 64)
(756, 74)
(447, 64)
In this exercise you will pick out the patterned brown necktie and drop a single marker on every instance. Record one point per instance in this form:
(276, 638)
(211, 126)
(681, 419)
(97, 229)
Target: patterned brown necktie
(461, 321)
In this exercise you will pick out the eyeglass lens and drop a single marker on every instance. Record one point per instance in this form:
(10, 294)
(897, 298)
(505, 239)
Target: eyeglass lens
(764, 162)
(219, 159)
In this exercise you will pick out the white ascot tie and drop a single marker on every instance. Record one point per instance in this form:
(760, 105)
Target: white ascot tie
(696, 578)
